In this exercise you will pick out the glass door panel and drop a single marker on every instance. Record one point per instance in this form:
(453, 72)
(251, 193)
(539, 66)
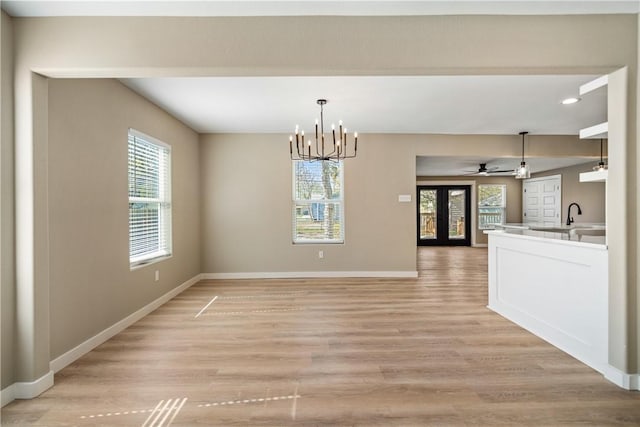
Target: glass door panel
(428, 214)
(456, 204)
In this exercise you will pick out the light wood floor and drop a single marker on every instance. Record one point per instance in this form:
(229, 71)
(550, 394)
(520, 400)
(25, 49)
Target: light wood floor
(331, 352)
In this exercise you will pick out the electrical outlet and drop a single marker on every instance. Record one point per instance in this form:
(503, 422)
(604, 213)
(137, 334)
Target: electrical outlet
(157, 275)
(320, 254)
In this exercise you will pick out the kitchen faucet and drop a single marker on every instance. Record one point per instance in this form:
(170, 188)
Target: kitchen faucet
(569, 217)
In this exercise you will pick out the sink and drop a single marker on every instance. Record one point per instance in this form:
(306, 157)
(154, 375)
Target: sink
(587, 232)
(574, 230)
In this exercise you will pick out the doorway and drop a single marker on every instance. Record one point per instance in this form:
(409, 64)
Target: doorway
(444, 215)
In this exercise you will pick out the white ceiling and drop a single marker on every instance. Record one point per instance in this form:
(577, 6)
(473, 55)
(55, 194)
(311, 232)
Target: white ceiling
(433, 104)
(312, 7)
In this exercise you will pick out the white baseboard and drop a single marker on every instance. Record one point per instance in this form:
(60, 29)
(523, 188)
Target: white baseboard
(480, 245)
(308, 274)
(622, 379)
(26, 390)
(75, 353)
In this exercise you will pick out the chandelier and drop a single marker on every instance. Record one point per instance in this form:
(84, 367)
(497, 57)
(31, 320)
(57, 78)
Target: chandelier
(318, 148)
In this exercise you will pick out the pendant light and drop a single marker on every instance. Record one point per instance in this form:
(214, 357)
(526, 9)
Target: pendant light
(522, 171)
(601, 166)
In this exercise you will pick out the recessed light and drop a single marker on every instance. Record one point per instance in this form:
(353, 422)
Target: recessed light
(570, 101)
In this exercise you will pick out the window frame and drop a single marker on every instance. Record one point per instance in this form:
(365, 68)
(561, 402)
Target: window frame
(163, 202)
(503, 208)
(301, 202)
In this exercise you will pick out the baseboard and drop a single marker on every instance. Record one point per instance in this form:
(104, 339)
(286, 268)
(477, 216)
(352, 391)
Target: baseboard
(75, 353)
(622, 379)
(24, 390)
(308, 274)
(480, 245)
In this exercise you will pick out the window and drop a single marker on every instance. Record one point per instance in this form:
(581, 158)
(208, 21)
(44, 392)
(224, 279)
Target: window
(149, 199)
(318, 202)
(492, 205)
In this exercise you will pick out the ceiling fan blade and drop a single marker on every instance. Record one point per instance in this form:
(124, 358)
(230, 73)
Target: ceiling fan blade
(501, 171)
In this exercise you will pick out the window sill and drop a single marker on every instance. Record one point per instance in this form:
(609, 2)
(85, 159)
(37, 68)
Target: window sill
(318, 242)
(140, 264)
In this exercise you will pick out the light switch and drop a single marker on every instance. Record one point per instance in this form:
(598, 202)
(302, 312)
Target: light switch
(404, 198)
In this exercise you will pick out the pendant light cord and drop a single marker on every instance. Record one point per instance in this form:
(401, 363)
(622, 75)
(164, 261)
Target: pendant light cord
(523, 133)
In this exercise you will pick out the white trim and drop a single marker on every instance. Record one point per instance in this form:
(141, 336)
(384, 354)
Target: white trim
(596, 131)
(74, 354)
(148, 138)
(594, 84)
(26, 390)
(308, 274)
(480, 245)
(622, 379)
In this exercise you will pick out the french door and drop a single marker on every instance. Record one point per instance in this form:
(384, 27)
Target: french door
(444, 215)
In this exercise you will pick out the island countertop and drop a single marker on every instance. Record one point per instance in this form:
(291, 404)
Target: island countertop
(529, 225)
(562, 238)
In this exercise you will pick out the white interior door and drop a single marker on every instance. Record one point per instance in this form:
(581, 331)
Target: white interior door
(542, 200)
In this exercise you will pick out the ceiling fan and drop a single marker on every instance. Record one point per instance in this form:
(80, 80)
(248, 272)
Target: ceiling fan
(483, 170)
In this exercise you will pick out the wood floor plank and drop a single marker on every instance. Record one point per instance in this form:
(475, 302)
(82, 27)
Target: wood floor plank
(326, 352)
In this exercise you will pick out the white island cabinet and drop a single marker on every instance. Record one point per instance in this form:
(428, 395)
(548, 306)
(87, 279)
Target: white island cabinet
(555, 286)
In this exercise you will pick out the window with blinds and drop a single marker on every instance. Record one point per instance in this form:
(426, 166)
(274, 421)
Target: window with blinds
(149, 199)
(318, 202)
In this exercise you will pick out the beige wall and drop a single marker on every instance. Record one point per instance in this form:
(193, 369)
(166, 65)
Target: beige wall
(514, 197)
(246, 181)
(589, 195)
(430, 45)
(7, 241)
(91, 284)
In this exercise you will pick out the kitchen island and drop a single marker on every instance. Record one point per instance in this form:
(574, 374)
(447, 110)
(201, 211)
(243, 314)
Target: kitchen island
(555, 285)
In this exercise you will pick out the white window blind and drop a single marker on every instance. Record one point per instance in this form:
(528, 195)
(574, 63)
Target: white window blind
(492, 205)
(318, 202)
(149, 198)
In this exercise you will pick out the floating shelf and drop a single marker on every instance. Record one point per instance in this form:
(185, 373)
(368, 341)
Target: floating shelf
(595, 132)
(594, 84)
(595, 176)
